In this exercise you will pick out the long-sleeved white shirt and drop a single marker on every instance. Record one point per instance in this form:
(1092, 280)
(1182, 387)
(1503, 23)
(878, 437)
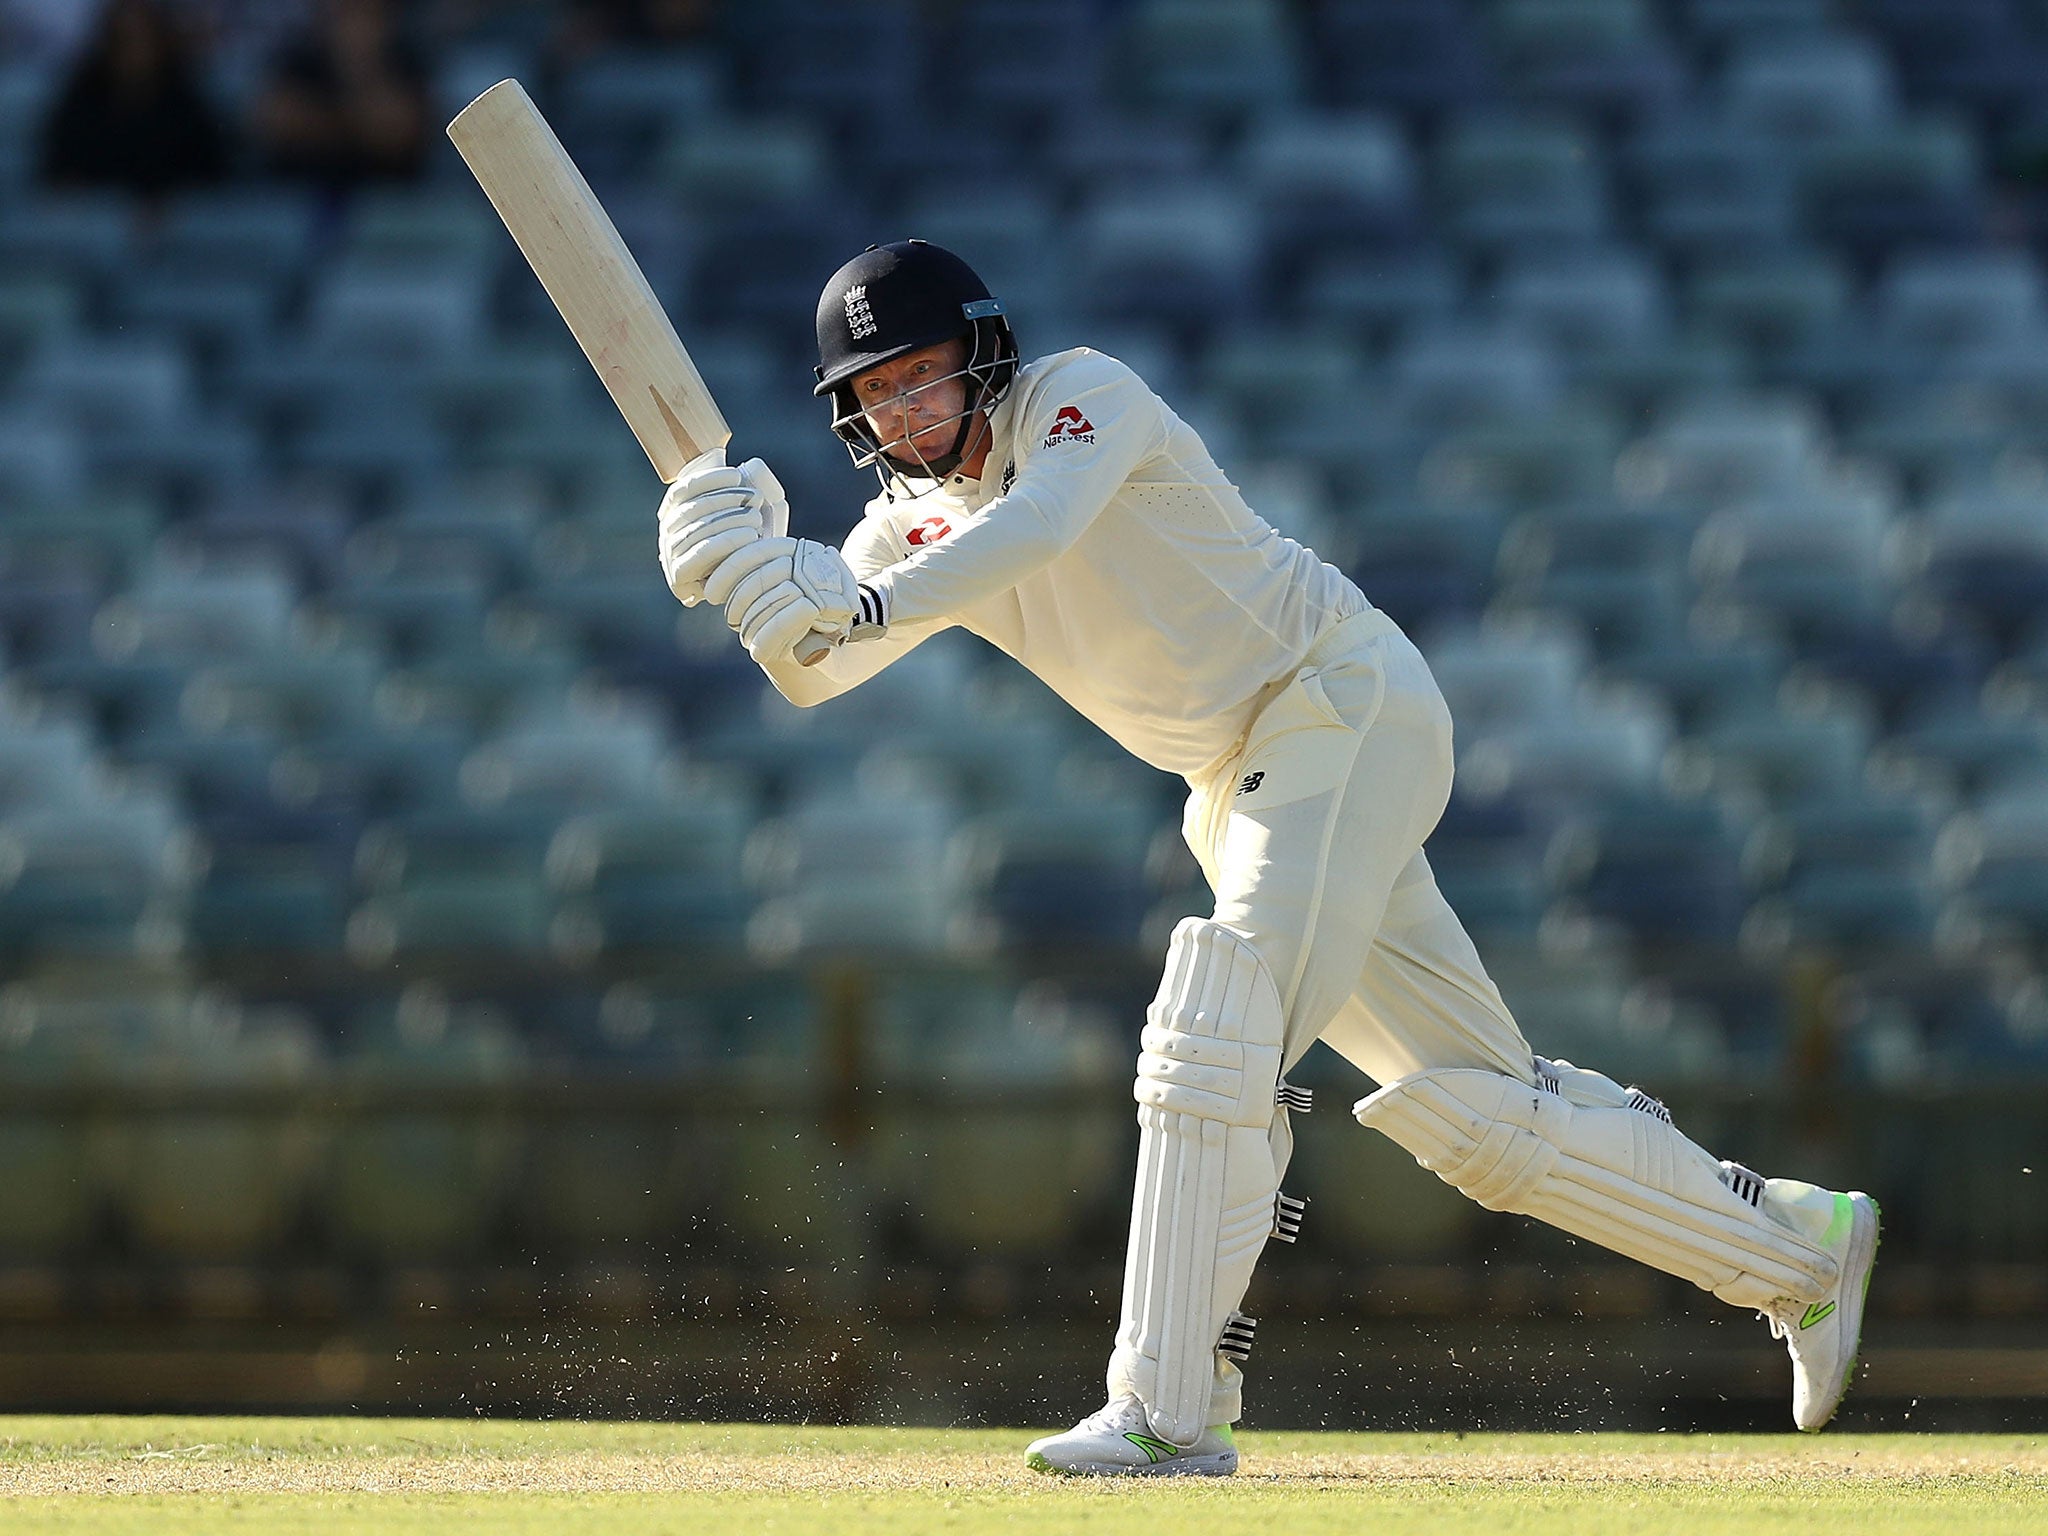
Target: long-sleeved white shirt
(1106, 552)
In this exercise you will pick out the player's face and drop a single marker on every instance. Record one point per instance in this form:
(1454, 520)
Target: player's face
(913, 402)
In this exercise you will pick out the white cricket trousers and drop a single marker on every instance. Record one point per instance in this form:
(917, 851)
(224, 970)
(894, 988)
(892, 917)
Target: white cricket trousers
(1311, 837)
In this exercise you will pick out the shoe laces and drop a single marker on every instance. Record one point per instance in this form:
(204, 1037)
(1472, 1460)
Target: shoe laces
(1111, 1416)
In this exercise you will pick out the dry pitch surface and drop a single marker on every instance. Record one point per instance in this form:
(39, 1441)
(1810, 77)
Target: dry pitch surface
(398, 1476)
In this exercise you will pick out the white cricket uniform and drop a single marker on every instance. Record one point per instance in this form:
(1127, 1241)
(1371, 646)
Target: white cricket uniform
(1107, 553)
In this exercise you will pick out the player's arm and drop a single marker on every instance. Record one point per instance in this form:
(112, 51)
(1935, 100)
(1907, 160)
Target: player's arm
(1065, 477)
(869, 548)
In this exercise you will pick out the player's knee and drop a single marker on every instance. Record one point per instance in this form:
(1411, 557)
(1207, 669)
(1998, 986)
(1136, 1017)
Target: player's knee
(1483, 1133)
(1214, 1033)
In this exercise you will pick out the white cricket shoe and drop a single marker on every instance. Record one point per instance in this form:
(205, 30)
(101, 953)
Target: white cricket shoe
(1822, 1335)
(1117, 1441)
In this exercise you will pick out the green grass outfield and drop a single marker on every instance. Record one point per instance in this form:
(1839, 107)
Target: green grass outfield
(169, 1476)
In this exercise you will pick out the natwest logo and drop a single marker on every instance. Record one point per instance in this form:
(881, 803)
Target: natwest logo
(930, 531)
(1070, 426)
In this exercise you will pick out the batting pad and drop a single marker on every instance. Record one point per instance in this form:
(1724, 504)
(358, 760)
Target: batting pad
(1622, 1177)
(1204, 1201)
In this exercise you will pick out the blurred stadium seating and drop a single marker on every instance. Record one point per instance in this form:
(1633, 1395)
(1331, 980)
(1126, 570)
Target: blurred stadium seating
(1672, 372)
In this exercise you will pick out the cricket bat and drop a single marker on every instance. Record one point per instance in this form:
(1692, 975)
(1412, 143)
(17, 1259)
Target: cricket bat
(575, 251)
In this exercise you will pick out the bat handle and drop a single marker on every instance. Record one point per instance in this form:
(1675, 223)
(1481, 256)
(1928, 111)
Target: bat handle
(812, 649)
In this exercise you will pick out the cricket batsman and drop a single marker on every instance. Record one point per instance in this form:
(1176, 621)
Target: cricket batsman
(1062, 512)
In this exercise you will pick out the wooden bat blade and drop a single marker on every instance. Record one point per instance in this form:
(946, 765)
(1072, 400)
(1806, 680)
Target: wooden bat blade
(600, 290)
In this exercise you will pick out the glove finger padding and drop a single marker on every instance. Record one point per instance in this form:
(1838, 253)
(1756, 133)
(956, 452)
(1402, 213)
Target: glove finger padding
(773, 627)
(705, 473)
(689, 570)
(755, 585)
(737, 567)
(773, 500)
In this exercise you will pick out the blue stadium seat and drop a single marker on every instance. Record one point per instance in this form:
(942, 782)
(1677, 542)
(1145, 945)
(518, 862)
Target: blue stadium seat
(47, 757)
(1425, 57)
(288, 692)
(1987, 556)
(210, 310)
(1374, 295)
(475, 689)
(1663, 869)
(1953, 741)
(1587, 301)
(1816, 561)
(1443, 375)
(24, 98)
(1721, 24)
(275, 897)
(1944, 301)
(267, 233)
(1592, 1009)
(1852, 870)
(1030, 59)
(745, 162)
(423, 230)
(267, 522)
(1703, 676)
(1787, 756)
(1508, 183)
(1980, 55)
(615, 753)
(408, 613)
(1603, 58)
(1600, 746)
(194, 613)
(65, 234)
(1804, 89)
(662, 878)
(618, 105)
(1771, 304)
(1619, 573)
(38, 312)
(1012, 239)
(1510, 669)
(1427, 566)
(454, 885)
(1167, 256)
(1544, 461)
(1328, 183)
(104, 877)
(1916, 183)
(831, 64)
(1063, 875)
(386, 309)
(889, 847)
(1227, 57)
(42, 458)
(1713, 192)
(106, 382)
(1705, 453)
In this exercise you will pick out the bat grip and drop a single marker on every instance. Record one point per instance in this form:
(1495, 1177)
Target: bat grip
(812, 649)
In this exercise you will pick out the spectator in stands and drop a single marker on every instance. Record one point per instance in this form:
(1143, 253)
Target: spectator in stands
(347, 100)
(134, 113)
(592, 24)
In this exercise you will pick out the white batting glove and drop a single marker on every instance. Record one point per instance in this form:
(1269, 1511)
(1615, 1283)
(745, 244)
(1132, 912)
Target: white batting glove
(778, 591)
(711, 511)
